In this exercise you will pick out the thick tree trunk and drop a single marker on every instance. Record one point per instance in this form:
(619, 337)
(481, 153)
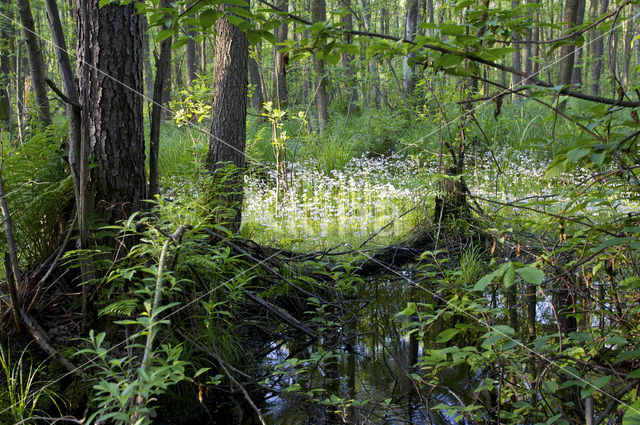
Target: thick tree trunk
(410, 26)
(115, 121)
(281, 96)
(229, 112)
(319, 14)
(163, 69)
(36, 64)
(598, 51)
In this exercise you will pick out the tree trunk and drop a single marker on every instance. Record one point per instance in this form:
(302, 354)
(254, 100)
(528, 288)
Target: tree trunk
(408, 68)
(576, 78)
(319, 14)
(257, 98)
(191, 55)
(36, 64)
(516, 57)
(567, 52)
(203, 56)
(627, 39)
(347, 59)
(112, 82)
(69, 84)
(373, 91)
(229, 110)
(598, 50)
(163, 68)
(281, 96)
(7, 39)
(148, 72)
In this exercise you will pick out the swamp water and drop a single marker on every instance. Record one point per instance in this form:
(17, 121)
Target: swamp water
(361, 375)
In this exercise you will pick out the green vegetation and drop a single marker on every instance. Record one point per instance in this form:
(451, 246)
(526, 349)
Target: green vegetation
(439, 222)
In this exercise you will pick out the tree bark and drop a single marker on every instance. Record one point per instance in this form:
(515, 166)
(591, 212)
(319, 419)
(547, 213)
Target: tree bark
(280, 72)
(191, 55)
(598, 50)
(36, 64)
(516, 57)
(112, 83)
(373, 93)
(7, 39)
(163, 68)
(229, 111)
(567, 52)
(69, 84)
(257, 98)
(576, 78)
(410, 26)
(148, 72)
(319, 14)
(347, 59)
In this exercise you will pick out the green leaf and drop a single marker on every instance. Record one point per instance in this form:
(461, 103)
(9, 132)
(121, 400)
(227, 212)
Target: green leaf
(452, 29)
(485, 281)
(208, 18)
(447, 60)
(555, 168)
(575, 155)
(509, 275)
(496, 53)
(164, 34)
(410, 310)
(594, 386)
(632, 415)
(446, 335)
(531, 275)
(201, 371)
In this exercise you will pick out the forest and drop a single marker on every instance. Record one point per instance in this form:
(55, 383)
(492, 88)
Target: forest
(280, 212)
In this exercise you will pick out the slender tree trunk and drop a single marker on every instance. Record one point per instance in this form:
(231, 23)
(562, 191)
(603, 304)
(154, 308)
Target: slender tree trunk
(374, 91)
(203, 56)
(163, 68)
(281, 96)
(319, 14)
(598, 51)
(516, 58)
(229, 109)
(257, 98)
(347, 60)
(408, 68)
(567, 52)
(627, 39)
(148, 72)
(111, 84)
(36, 64)
(69, 85)
(191, 55)
(576, 78)
(7, 39)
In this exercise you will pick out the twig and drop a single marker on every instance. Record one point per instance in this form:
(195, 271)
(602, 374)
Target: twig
(156, 304)
(53, 265)
(11, 264)
(42, 339)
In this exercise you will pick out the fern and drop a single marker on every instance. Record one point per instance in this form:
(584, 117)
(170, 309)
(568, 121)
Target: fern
(121, 307)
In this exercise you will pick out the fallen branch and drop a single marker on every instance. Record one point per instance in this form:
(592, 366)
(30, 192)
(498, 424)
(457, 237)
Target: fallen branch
(42, 339)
